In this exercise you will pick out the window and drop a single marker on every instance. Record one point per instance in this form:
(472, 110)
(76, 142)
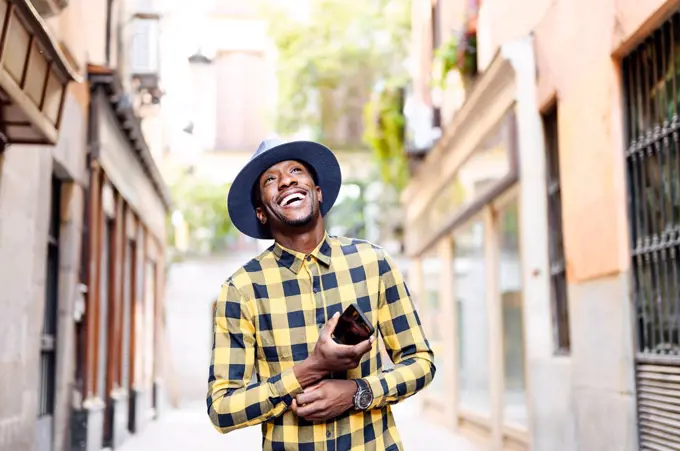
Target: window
(652, 155)
(149, 330)
(49, 328)
(512, 311)
(435, 321)
(104, 300)
(473, 333)
(558, 276)
(128, 297)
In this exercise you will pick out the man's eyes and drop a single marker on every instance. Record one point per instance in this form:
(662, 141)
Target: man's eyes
(271, 177)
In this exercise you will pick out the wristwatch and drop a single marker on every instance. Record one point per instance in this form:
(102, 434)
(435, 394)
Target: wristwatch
(363, 398)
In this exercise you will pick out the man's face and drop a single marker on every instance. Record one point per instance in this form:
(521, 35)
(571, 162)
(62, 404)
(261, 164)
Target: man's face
(288, 196)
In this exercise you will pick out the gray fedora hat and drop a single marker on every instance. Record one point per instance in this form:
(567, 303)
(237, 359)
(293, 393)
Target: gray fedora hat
(270, 152)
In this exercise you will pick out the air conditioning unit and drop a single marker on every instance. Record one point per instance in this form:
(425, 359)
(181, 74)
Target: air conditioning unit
(49, 8)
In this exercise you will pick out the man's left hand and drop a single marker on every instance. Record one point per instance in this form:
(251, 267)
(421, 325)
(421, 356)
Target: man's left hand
(325, 400)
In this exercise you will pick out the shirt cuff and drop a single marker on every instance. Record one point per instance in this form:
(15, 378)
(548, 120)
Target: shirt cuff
(286, 386)
(378, 388)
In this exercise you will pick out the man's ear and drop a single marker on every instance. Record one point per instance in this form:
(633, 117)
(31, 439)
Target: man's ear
(260, 215)
(319, 194)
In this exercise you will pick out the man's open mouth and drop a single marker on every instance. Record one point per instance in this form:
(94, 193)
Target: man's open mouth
(292, 200)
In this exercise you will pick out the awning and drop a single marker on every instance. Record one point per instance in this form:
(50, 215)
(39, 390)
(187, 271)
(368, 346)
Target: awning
(34, 74)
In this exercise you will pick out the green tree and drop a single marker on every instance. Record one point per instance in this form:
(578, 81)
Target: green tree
(329, 64)
(202, 205)
(384, 131)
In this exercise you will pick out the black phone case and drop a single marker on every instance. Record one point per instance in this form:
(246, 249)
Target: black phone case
(363, 318)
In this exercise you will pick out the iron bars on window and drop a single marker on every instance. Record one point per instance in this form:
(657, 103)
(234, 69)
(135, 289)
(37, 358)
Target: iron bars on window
(653, 167)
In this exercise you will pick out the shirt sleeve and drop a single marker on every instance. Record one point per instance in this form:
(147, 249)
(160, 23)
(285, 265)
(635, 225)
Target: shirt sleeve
(233, 400)
(404, 340)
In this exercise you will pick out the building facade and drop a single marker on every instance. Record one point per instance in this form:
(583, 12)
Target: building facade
(541, 220)
(57, 186)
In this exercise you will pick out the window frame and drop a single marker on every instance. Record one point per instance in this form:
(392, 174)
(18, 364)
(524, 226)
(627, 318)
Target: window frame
(559, 293)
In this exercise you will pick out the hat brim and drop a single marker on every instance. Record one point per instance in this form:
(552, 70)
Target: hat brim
(318, 156)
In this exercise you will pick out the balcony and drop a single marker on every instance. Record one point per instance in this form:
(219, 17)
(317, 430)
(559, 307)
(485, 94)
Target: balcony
(34, 75)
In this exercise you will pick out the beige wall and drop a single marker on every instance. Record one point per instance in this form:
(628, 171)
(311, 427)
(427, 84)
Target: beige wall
(575, 44)
(587, 86)
(241, 99)
(585, 400)
(80, 27)
(25, 175)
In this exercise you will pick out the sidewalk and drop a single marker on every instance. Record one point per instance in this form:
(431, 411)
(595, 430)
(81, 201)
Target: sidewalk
(189, 429)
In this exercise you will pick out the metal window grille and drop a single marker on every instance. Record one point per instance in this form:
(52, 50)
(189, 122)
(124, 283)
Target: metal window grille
(651, 74)
(653, 166)
(558, 271)
(49, 329)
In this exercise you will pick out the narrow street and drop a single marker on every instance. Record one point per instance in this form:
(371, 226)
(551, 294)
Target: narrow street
(188, 429)
(190, 290)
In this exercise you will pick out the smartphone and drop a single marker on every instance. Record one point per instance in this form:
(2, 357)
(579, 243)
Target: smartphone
(353, 327)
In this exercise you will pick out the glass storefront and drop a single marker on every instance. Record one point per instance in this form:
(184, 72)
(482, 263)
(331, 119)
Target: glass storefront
(510, 288)
(432, 273)
(477, 315)
(473, 329)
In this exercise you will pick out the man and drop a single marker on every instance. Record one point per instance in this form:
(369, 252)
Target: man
(277, 314)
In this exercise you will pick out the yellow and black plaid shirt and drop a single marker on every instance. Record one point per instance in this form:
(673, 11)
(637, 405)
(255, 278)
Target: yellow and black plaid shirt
(268, 317)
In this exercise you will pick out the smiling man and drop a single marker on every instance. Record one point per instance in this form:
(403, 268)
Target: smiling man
(276, 316)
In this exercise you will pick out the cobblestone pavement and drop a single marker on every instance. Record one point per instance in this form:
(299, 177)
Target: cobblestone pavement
(189, 429)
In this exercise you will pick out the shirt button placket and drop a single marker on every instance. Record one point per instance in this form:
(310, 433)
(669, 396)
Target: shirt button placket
(317, 294)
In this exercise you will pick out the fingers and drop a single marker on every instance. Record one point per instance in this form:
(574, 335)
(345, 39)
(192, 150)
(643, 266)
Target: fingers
(311, 411)
(357, 351)
(365, 346)
(294, 407)
(308, 397)
(330, 325)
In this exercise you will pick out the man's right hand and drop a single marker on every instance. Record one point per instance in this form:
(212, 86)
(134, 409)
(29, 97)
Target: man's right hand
(329, 356)
(332, 356)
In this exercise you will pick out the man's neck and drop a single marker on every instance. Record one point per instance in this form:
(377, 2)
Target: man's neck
(304, 242)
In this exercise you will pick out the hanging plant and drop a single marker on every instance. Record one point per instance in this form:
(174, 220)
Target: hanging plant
(384, 132)
(457, 53)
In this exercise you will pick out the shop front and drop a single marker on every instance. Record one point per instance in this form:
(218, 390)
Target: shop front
(124, 274)
(467, 210)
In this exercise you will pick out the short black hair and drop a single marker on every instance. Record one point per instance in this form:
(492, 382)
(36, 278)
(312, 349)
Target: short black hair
(255, 195)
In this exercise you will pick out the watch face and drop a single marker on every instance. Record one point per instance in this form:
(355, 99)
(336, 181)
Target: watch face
(365, 399)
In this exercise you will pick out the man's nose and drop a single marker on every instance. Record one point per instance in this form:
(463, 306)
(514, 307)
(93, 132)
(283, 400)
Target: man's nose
(285, 180)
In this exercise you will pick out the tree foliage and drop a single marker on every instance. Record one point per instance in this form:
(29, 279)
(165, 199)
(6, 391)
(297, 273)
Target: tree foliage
(202, 205)
(384, 131)
(329, 63)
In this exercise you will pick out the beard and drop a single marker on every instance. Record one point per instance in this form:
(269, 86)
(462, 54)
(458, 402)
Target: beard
(300, 221)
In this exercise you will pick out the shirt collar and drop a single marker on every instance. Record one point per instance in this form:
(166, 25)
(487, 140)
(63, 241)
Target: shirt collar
(293, 260)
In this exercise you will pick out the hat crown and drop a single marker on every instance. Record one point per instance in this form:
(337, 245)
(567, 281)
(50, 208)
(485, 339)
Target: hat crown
(267, 144)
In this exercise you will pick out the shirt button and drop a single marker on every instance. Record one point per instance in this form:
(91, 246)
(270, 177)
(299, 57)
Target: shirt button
(316, 290)
(328, 434)
(309, 258)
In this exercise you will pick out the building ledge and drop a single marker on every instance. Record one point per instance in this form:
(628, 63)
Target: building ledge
(34, 75)
(130, 124)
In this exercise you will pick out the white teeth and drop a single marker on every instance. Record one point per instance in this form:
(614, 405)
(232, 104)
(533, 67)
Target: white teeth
(298, 196)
